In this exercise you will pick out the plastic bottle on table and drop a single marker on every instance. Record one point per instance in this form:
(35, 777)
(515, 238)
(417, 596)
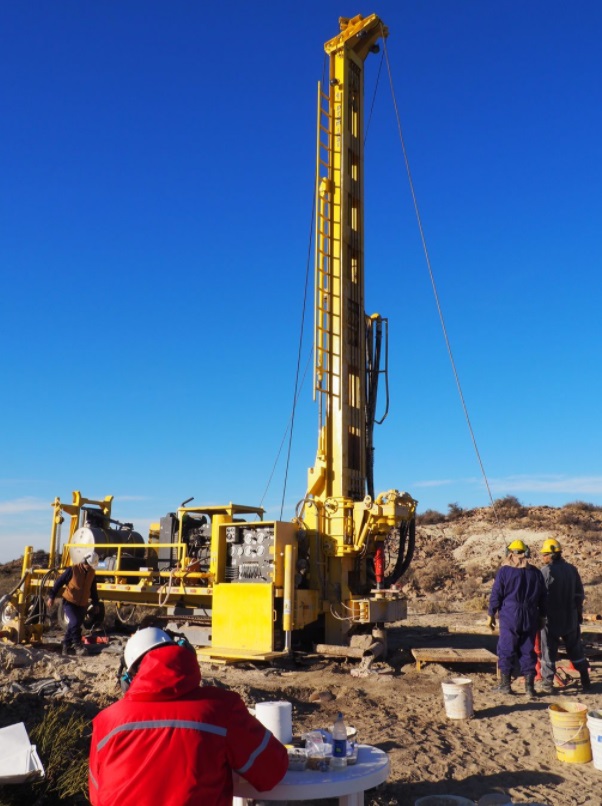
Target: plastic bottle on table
(339, 744)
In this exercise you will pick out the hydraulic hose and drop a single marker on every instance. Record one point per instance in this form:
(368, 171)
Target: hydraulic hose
(37, 610)
(14, 590)
(407, 544)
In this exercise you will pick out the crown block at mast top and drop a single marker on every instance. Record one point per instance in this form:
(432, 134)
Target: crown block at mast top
(358, 34)
(339, 311)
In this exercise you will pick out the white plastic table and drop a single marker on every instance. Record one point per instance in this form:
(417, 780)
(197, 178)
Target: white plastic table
(371, 769)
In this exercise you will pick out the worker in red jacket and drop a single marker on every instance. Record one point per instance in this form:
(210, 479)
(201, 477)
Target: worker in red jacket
(171, 742)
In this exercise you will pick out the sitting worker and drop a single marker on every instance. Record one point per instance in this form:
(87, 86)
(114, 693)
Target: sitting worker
(171, 740)
(79, 582)
(518, 597)
(565, 614)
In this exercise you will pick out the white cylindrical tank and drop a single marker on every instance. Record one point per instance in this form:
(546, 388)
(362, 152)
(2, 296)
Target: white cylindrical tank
(93, 538)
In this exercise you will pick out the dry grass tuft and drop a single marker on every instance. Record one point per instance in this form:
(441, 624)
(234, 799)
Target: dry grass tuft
(477, 604)
(433, 606)
(63, 740)
(593, 599)
(582, 506)
(510, 507)
(429, 517)
(61, 733)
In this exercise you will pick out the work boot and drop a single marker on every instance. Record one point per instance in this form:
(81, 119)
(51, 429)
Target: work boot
(547, 687)
(504, 685)
(65, 650)
(530, 686)
(81, 649)
(586, 683)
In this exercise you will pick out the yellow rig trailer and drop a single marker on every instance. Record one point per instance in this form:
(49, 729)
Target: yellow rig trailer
(250, 588)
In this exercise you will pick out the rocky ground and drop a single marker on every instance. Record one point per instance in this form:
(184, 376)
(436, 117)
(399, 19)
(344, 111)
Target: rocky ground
(507, 745)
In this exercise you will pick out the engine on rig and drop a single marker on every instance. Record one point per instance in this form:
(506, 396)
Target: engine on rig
(194, 529)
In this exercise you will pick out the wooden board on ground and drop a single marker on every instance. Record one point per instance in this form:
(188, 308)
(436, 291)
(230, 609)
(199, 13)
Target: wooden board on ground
(225, 655)
(471, 629)
(449, 655)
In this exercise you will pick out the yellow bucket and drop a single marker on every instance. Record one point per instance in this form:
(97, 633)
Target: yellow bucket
(571, 736)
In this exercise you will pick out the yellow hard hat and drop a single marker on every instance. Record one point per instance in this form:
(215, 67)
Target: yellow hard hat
(551, 546)
(517, 545)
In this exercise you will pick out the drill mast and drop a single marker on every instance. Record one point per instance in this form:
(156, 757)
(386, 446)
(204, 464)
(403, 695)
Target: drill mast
(340, 330)
(348, 525)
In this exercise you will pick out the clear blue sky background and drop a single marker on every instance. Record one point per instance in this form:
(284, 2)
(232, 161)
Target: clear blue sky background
(157, 164)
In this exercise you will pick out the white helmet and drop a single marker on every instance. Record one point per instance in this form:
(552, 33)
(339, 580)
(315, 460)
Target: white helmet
(142, 642)
(92, 559)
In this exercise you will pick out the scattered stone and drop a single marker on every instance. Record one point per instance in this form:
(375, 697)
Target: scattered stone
(321, 696)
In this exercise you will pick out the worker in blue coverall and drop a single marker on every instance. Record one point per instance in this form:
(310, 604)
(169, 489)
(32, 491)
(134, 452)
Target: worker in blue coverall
(518, 598)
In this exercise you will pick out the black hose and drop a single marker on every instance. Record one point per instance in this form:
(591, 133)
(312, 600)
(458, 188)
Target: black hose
(407, 544)
(7, 596)
(37, 610)
(16, 588)
(373, 347)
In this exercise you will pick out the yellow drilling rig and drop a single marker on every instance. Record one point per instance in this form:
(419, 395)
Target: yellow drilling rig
(248, 588)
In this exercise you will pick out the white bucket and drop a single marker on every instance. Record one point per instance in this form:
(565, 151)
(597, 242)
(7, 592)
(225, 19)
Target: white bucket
(457, 697)
(594, 724)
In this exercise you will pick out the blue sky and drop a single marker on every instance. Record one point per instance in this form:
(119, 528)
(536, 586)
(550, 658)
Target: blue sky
(157, 168)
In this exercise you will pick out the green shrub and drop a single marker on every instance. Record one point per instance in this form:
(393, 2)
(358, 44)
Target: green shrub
(454, 511)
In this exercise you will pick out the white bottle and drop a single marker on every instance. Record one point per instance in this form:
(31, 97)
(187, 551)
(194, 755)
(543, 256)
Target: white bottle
(339, 744)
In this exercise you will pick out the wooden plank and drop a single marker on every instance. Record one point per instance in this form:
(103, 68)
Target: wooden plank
(471, 629)
(451, 655)
(340, 651)
(228, 655)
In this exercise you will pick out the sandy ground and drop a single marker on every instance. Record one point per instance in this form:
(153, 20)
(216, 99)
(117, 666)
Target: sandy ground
(507, 745)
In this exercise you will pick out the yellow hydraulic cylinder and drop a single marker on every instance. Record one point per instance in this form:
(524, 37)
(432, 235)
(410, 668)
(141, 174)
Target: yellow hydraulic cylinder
(289, 589)
(24, 594)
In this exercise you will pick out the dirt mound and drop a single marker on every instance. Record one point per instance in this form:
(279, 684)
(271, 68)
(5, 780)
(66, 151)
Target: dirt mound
(457, 555)
(10, 573)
